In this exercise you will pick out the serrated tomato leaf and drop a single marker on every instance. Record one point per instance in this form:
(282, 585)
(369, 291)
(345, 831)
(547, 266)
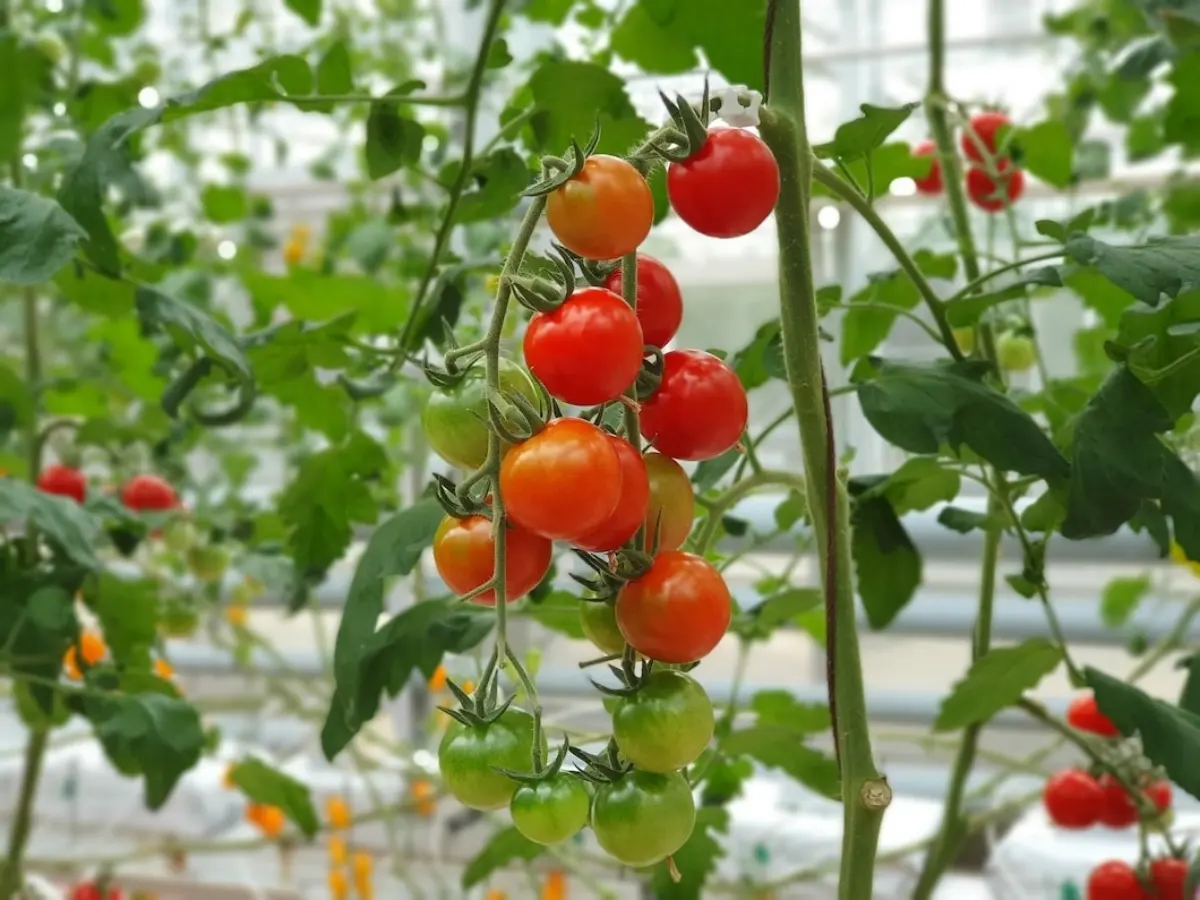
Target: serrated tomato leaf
(264, 784)
(37, 237)
(996, 680)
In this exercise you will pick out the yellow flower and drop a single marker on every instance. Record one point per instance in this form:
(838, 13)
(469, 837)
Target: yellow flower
(235, 615)
(1180, 558)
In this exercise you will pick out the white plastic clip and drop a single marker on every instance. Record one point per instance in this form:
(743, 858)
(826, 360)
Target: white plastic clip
(738, 106)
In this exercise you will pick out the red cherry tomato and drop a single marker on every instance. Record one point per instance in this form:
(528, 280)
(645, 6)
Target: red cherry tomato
(985, 193)
(986, 127)
(1118, 809)
(678, 611)
(603, 212)
(589, 350)
(1115, 880)
(1073, 799)
(92, 890)
(931, 183)
(1084, 715)
(1159, 793)
(148, 492)
(659, 300)
(624, 521)
(699, 409)
(465, 556)
(64, 481)
(1169, 878)
(563, 482)
(728, 187)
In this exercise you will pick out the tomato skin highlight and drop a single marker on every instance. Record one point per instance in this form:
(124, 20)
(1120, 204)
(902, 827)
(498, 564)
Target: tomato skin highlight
(728, 187)
(672, 506)
(63, 481)
(986, 126)
(551, 811)
(148, 492)
(700, 409)
(1169, 878)
(465, 556)
(624, 521)
(603, 212)
(644, 817)
(589, 350)
(454, 420)
(1073, 799)
(1115, 880)
(678, 611)
(984, 192)
(467, 756)
(599, 622)
(1084, 715)
(931, 184)
(659, 299)
(563, 482)
(666, 724)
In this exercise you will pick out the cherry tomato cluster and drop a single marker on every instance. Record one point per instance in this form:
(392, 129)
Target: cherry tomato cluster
(1076, 799)
(992, 180)
(1164, 878)
(101, 888)
(141, 493)
(575, 481)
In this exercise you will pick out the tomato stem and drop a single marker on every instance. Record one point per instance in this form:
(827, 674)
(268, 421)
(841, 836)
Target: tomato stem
(784, 129)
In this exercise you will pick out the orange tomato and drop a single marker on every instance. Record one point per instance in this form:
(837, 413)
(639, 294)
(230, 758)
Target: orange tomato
(235, 615)
(269, 819)
(338, 888)
(228, 779)
(337, 850)
(497, 894)
(163, 669)
(363, 864)
(437, 681)
(93, 649)
(555, 887)
(426, 802)
(337, 811)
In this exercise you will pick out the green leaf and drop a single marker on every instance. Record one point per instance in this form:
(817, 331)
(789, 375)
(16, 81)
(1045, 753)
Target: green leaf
(921, 408)
(393, 140)
(558, 611)
(964, 521)
(1046, 150)
(887, 163)
(153, 735)
(1162, 266)
(192, 328)
(60, 519)
(16, 402)
(779, 747)
(506, 846)
(224, 203)
(696, 860)
(313, 296)
(263, 784)
(1170, 736)
(779, 707)
(762, 359)
(328, 495)
(887, 563)
(1121, 598)
(371, 243)
(494, 187)
(996, 680)
(571, 97)
(37, 237)
(554, 12)
(128, 612)
(862, 135)
(710, 472)
(646, 39)
(1165, 339)
(1189, 694)
(970, 310)
(37, 625)
(1118, 461)
(308, 10)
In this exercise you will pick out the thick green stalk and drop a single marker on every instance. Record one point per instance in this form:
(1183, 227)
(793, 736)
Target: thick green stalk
(864, 792)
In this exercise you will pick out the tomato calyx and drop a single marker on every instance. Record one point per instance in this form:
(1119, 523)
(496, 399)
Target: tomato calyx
(561, 170)
(613, 570)
(691, 127)
(606, 768)
(457, 500)
(540, 773)
(539, 293)
(478, 709)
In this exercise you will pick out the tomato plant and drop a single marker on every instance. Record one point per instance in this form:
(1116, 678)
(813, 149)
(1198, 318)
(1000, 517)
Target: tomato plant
(677, 612)
(454, 419)
(464, 552)
(728, 187)
(643, 817)
(588, 351)
(550, 811)
(659, 299)
(604, 212)
(469, 755)
(699, 409)
(665, 724)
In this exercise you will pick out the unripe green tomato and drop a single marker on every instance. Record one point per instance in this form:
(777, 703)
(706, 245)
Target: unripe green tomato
(179, 619)
(208, 564)
(51, 46)
(599, 623)
(965, 338)
(1015, 352)
(179, 536)
(552, 810)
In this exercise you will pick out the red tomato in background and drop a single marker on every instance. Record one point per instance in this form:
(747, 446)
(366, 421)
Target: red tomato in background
(984, 192)
(589, 350)
(622, 524)
(563, 482)
(678, 611)
(603, 212)
(727, 188)
(1073, 799)
(1115, 880)
(1169, 878)
(1118, 809)
(699, 409)
(64, 481)
(659, 300)
(148, 492)
(931, 183)
(90, 890)
(986, 127)
(1159, 793)
(465, 556)
(1084, 715)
